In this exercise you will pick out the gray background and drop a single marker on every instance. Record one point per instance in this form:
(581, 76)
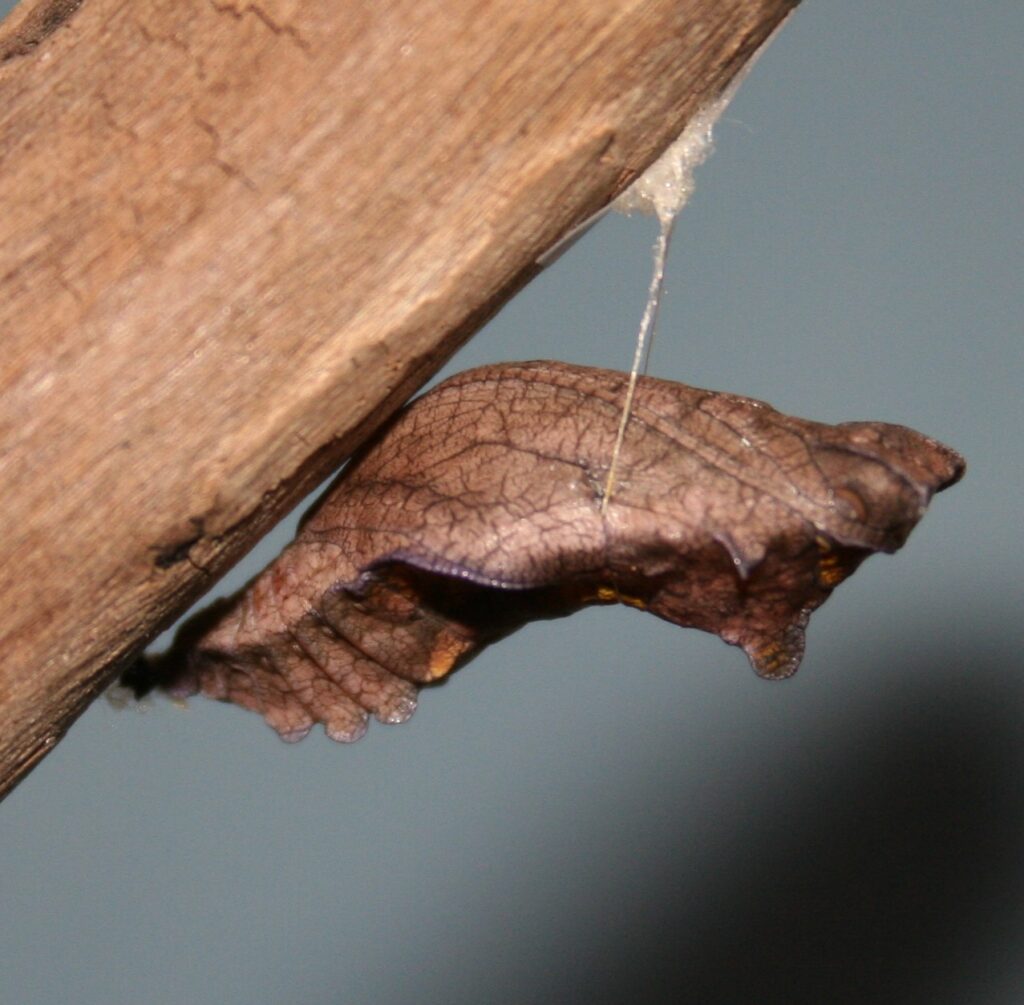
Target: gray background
(608, 808)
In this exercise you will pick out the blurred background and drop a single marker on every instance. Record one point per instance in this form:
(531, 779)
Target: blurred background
(607, 808)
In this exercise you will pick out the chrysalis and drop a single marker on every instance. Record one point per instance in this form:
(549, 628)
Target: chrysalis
(479, 508)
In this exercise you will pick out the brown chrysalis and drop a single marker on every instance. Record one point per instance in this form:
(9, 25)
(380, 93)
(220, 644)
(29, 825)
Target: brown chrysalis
(479, 508)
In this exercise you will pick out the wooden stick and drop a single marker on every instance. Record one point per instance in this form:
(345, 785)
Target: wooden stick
(234, 236)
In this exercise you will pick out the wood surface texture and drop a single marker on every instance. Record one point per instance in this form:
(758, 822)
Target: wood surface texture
(235, 236)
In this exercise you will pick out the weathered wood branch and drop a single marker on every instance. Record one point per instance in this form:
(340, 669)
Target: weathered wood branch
(235, 235)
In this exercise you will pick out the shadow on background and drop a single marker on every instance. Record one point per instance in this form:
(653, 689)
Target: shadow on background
(889, 880)
(880, 862)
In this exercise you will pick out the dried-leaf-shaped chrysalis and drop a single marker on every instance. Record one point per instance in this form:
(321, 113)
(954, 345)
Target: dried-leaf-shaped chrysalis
(479, 508)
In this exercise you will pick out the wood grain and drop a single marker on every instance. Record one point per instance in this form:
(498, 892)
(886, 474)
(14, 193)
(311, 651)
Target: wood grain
(235, 236)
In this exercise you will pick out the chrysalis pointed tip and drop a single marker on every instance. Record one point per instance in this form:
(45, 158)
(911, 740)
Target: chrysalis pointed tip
(779, 657)
(347, 731)
(397, 712)
(294, 735)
